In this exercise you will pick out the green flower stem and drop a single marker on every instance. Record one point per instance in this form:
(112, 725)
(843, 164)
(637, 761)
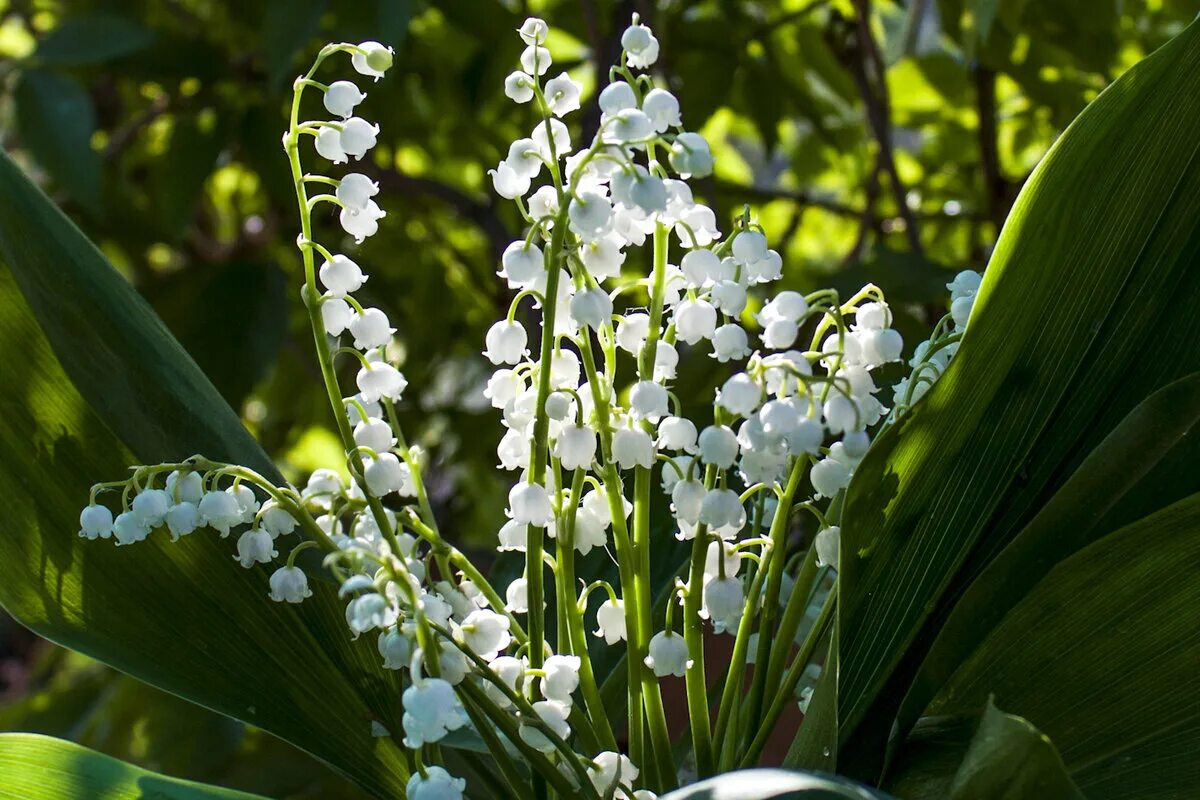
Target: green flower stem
(783, 696)
(770, 603)
(576, 634)
(693, 634)
(507, 724)
(312, 303)
(732, 689)
(517, 786)
(793, 618)
(660, 736)
(541, 443)
(611, 481)
(522, 705)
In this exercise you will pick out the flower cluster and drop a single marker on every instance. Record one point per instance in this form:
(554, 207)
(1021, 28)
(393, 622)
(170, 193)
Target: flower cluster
(619, 275)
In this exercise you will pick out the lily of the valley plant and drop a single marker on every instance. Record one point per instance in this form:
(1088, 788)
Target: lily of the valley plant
(586, 360)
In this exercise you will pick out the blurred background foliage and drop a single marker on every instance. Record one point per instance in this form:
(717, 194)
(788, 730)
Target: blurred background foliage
(876, 140)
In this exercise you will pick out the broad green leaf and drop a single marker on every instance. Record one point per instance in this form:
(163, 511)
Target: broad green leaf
(1010, 759)
(93, 383)
(91, 39)
(1066, 338)
(1103, 654)
(777, 784)
(1069, 521)
(816, 743)
(40, 768)
(55, 122)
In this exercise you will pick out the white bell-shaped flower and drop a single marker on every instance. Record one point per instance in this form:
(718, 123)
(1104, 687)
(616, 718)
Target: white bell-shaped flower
(559, 135)
(276, 520)
(690, 156)
(521, 265)
(730, 343)
(648, 400)
(575, 446)
(562, 95)
(385, 475)
(485, 632)
(517, 596)
(554, 715)
(615, 97)
(506, 342)
(535, 60)
(829, 477)
(677, 433)
(632, 447)
(395, 648)
(255, 546)
(431, 710)
(289, 585)
(362, 224)
(668, 655)
(355, 190)
(718, 446)
(220, 511)
(610, 620)
(529, 504)
(561, 679)
(375, 434)
(185, 487)
(511, 671)
(95, 522)
(591, 308)
(371, 329)
(827, 541)
(628, 126)
(128, 529)
(358, 136)
(700, 267)
(610, 770)
(246, 500)
(329, 145)
(533, 31)
(663, 109)
(341, 97)
(150, 507)
(780, 334)
(518, 86)
(367, 612)
(336, 314)
(507, 182)
(687, 501)
(695, 320)
(666, 360)
(524, 158)
(602, 257)
(435, 783)
(380, 380)
(724, 603)
(589, 215)
(721, 508)
(371, 59)
(341, 276)
(841, 414)
(640, 45)
(739, 395)
(632, 332)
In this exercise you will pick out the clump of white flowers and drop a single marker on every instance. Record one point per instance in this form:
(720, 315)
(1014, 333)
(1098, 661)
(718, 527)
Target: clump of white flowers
(586, 360)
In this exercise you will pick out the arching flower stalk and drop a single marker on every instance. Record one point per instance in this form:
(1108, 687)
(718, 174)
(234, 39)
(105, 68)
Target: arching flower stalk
(586, 369)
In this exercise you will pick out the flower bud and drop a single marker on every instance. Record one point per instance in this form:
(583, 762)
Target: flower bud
(690, 156)
(371, 59)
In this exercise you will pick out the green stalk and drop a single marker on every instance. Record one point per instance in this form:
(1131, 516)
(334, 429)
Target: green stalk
(534, 567)
(786, 689)
(770, 607)
(693, 633)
